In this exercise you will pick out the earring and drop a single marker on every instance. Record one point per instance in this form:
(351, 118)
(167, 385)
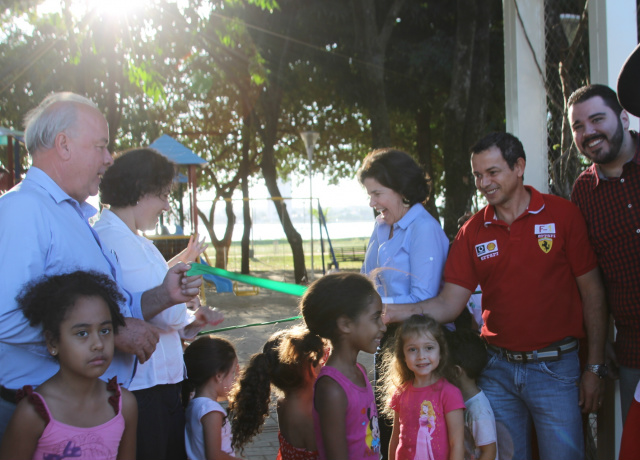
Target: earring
(405, 202)
(53, 352)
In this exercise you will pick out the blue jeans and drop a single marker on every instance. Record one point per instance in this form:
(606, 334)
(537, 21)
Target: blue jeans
(545, 393)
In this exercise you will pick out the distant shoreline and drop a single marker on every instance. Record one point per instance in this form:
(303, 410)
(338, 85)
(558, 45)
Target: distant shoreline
(274, 231)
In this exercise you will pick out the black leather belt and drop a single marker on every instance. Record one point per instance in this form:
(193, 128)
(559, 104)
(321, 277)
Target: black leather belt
(550, 353)
(8, 395)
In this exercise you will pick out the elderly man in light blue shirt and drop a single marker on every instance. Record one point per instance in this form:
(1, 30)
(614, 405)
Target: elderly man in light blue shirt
(45, 231)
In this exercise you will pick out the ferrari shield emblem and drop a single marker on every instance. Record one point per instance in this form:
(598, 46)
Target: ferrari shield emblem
(545, 244)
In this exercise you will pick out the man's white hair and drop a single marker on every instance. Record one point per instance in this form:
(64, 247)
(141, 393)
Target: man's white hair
(55, 114)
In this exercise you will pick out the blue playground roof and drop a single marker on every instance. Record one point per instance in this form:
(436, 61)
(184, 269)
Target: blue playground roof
(176, 152)
(5, 132)
(10, 132)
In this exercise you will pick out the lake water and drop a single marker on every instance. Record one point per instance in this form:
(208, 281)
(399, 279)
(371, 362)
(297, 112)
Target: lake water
(273, 231)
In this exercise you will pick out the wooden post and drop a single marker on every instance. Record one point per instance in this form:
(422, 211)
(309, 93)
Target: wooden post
(10, 166)
(193, 184)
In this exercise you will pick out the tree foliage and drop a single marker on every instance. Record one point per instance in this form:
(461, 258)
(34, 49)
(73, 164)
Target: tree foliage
(237, 80)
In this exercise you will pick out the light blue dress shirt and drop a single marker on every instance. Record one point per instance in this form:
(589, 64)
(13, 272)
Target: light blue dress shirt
(408, 267)
(44, 231)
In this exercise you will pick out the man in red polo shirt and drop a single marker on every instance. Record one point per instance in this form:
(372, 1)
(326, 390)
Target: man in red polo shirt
(541, 290)
(608, 194)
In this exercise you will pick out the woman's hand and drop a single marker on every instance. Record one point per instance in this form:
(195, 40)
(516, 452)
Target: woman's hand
(203, 316)
(191, 253)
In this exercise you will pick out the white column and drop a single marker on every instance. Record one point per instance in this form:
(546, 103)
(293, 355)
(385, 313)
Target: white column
(613, 34)
(525, 95)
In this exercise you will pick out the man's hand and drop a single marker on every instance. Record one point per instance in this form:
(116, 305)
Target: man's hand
(137, 338)
(395, 313)
(444, 308)
(176, 288)
(591, 392)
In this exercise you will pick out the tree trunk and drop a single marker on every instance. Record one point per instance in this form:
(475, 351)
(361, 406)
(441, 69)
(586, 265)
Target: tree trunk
(246, 211)
(464, 112)
(477, 113)
(376, 101)
(424, 148)
(220, 245)
(371, 44)
(271, 99)
(113, 86)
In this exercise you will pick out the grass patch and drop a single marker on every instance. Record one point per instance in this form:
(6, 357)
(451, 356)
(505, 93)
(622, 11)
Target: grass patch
(271, 255)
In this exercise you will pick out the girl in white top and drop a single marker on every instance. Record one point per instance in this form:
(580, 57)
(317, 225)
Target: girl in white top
(212, 365)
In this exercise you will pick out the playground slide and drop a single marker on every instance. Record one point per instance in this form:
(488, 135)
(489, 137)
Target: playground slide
(222, 284)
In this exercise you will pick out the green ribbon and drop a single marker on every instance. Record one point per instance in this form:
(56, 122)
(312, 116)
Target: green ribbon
(242, 326)
(279, 286)
(286, 288)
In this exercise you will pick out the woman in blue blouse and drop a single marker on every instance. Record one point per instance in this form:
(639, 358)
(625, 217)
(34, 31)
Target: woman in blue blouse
(408, 248)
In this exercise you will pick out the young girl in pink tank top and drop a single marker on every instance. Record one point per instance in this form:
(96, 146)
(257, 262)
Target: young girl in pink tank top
(345, 309)
(290, 360)
(74, 414)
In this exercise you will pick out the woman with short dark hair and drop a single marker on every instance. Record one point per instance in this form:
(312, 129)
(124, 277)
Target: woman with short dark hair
(408, 247)
(136, 190)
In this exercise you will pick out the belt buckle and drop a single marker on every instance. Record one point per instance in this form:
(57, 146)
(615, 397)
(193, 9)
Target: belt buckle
(516, 357)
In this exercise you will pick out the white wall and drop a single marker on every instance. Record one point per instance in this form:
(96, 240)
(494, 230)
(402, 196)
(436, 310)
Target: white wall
(525, 96)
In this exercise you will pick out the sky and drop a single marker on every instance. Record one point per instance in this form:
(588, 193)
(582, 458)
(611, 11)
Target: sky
(348, 192)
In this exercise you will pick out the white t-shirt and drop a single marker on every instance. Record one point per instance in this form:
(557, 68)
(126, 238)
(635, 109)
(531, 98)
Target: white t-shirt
(474, 305)
(193, 432)
(479, 426)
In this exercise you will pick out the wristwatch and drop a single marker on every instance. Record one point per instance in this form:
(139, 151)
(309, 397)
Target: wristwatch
(599, 369)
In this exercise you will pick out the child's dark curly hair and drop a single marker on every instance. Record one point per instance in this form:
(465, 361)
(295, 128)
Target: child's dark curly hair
(332, 296)
(285, 360)
(46, 301)
(204, 358)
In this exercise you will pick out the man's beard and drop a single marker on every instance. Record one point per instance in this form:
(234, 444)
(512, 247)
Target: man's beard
(615, 144)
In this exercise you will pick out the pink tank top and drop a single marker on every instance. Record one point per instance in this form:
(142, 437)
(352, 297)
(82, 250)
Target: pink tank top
(59, 441)
(361, 420)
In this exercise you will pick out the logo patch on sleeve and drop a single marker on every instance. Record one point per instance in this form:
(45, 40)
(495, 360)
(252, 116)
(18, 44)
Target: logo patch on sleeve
(487, 250)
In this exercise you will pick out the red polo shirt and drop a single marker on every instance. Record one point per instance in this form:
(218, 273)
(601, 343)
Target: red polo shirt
(527, 271)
